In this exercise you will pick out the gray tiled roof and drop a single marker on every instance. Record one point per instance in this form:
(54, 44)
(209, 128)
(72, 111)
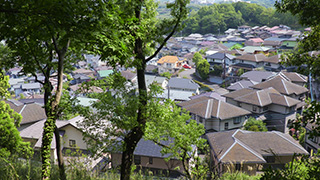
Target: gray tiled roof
(150, 149)
(250, 147)
(183, 83)
(257, 76)
(281, 85)
(241, 84)
(207, 107)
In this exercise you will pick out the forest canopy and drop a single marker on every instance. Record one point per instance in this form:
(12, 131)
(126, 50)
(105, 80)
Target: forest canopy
(217, 18)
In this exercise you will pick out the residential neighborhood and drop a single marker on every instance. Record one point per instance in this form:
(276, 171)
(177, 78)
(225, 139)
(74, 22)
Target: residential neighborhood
(247, 78)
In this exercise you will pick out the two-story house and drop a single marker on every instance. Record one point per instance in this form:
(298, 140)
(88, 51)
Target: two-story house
(266, 104)
(168, 64)
(284, 87)
(215, 115)
(248, 61)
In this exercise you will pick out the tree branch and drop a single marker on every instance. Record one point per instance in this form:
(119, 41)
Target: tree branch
(165, 40)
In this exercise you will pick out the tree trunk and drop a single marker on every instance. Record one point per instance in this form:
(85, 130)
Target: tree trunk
(59, 155)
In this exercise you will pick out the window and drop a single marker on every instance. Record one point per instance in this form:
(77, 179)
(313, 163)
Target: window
(254, 108)
(314, 139)
(150, 160)
(201, 120)
(72, 143)
(239, 104)
(237, 120)
(226, 126)
(137, 160)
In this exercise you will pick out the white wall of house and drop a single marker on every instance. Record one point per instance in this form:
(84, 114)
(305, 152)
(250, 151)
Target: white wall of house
(271, 65)
(71, 133)
(279, 109)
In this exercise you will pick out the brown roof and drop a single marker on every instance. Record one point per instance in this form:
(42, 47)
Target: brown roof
(251, 147)
(293, 76)
(207, 107)
(30, 112)
(252, 57)
(262, 97)
(281, 85)
(168, 59)
(238, 93)
(273, 59)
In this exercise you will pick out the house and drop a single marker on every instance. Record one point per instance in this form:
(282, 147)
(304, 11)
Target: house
(211, 94)
(183, 84)
(257, 76)
(273, 42)
(104, 73)
(251, 152)
(241, 84)
(272, 63)
(312, 143)
(180, 89)
(244, 28)
(80, 78)
(251, 60)
(255, 49)
(32, 88)
(159, 80)
(70, 135)
(284, 87)
(214, 114)
(31, 111)
(266, 104)
(148, 157)
(254, 42)
(220, 58)
(290, 43)
(168, 64)
(86, 72)
(130, 76)
(294, 77)
(236, 40)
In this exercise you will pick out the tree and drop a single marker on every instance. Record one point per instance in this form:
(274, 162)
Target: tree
(197, 57)
(166, 74)
(306, 54)
(203, 68)
(44, 41)
(11, 143)
(253, 124)
(134, 34)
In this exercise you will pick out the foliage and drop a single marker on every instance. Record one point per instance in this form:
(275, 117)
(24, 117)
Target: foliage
(304, 167)
(253, 124)
(203, 69)
(11, 144)
(240, 72)
(43, 41)
(197, 57)
(204, 85)
(238, 176)
(217, 18)
(166, 74)
(217, 70)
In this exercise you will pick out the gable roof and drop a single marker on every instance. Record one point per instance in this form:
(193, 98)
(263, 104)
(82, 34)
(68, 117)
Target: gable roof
(252, 57)
(241, 84)
(168, 59)
(252, 49)
(257, 76)
(273, 59)
(207, 107)
(262, 97)
(182, 83)
(30, 112)
(220, 56)
(240, 146)
(293, 77)
(150, 149)
(282, 86)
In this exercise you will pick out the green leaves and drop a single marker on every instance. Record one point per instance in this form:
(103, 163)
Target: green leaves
(253, 124)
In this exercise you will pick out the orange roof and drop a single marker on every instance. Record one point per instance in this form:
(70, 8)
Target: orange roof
(168, 59)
